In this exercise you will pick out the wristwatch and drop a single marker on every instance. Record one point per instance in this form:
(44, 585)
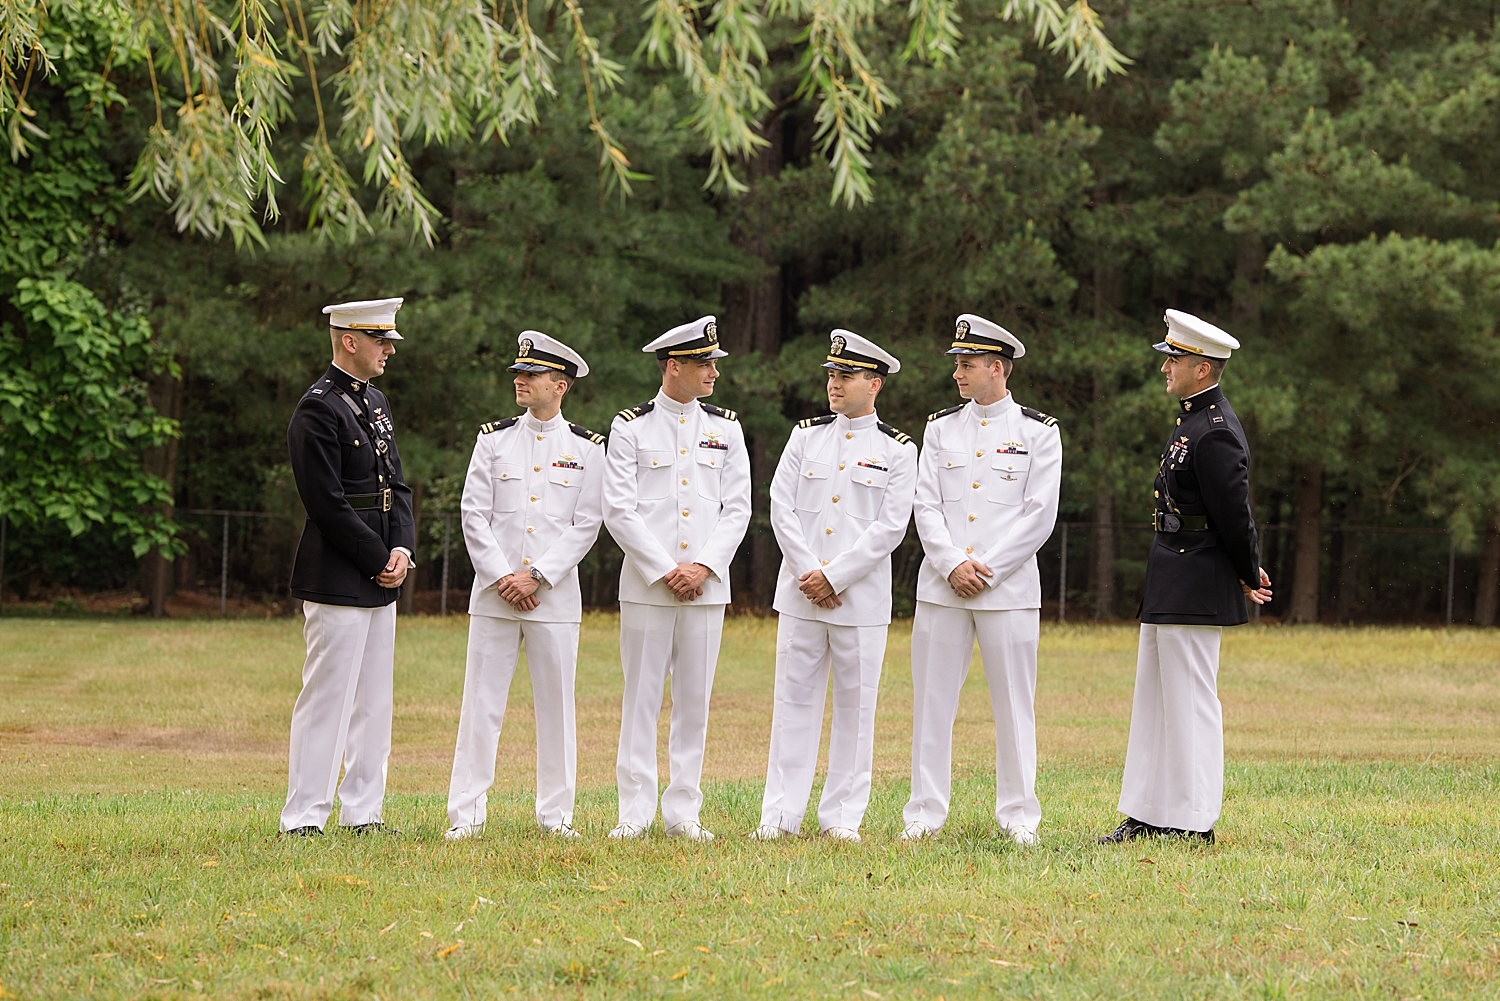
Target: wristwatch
(536, 575)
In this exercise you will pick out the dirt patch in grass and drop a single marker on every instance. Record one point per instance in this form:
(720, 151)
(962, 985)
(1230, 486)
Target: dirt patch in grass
(170, 740)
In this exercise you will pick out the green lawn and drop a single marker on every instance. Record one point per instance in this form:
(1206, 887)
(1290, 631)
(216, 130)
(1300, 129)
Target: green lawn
(142, 767)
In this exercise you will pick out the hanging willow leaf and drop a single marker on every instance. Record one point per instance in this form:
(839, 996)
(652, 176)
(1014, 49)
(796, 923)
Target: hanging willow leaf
(424, 72)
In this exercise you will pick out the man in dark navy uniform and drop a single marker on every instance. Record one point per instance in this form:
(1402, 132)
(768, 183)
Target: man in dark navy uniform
(356, 549)
(1203, 563)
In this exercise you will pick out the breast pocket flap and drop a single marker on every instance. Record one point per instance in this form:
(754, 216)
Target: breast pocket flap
(505, 471)
(653, 458)
(866, 477)
(814, 471)
(1010, 462)
(952, 460)
(562, 477)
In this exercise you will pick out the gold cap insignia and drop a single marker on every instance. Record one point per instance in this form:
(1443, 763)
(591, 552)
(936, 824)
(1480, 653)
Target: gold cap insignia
(961, 331)
(838, 345)
(711, 331)
(526, 347)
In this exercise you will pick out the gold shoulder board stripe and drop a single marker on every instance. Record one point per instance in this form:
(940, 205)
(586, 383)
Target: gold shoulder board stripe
(1037, 415)
(583, 432)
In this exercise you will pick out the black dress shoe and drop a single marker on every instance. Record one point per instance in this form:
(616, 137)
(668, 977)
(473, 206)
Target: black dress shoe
(303, 832)
(377, 827)
(1130, 830)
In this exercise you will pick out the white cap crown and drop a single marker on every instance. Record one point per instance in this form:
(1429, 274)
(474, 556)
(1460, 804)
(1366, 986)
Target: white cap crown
(1188, 335)
(696, 341)
(849, 352)
(376, 317)
(974, 335)
(539, 352)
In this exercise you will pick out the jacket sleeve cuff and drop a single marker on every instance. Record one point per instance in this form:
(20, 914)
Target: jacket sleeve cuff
(948, 562)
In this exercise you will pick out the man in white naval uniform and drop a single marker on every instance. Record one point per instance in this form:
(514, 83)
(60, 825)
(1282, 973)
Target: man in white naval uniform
(532, 507)
(987, 487)
(677, 500)
(840, 503)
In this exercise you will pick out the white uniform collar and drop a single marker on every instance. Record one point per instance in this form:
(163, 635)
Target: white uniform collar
(671, 406)
(555, 424)
(856, 424)
(999, 408)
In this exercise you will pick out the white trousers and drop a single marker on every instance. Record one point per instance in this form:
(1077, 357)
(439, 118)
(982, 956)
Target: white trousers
(942, 642)
(552, 659)
(342, 716)
(657, 641)
(1174, 765)
(806, 651)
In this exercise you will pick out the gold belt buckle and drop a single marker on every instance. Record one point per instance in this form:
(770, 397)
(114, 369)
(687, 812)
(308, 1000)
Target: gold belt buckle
(385, 499)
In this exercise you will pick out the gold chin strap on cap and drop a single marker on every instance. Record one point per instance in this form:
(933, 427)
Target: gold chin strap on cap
(534, 360)
(1185, 347)
(846, 360)
(706, 349)
(364, 326)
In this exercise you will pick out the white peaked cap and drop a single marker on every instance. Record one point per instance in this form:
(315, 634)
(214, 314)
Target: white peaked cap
(696, 341)
(376, 317)
(849, 352)
(1188, 335)
(537, 352)
(974, 335)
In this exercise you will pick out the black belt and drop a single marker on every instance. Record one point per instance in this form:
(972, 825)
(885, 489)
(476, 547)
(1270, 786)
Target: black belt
(380, 500)
(1186, 522)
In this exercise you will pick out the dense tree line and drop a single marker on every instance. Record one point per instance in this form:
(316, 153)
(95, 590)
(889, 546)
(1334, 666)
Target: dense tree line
(1313, 176)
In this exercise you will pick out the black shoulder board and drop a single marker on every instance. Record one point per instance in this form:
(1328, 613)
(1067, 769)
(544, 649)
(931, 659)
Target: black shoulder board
(1037, 415)
(583, 432)
(945, 413)
(728, 415)
(813, 422)
(497, 425)
(631, 413)
(902, 438)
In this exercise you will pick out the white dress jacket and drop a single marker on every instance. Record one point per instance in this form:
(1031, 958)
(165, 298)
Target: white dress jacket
(676, 490)
(840, 502)
(533, 497)
(987, 486)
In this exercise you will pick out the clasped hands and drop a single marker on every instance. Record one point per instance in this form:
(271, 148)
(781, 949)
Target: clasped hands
(686, 580)
(395, 570)
(1260, 595)
(967, 579)
(815, 586)
(519, 589)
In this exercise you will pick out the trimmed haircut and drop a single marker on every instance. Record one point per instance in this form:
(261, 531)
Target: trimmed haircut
(1216, 367)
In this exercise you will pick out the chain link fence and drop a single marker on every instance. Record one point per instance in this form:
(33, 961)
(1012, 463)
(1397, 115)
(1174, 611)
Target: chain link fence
(240, 562)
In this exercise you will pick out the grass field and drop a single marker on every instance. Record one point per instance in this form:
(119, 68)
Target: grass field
(142, 767)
